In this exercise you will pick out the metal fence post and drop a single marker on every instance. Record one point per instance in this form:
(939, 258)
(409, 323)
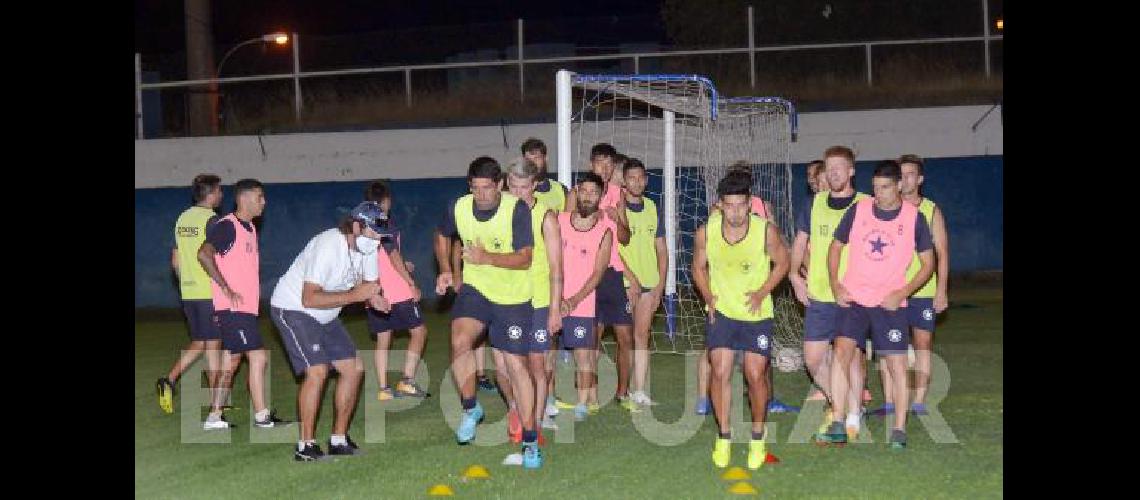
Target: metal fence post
(296, 78)
(522, 85)
(408, 87)
(751, 51)
(138, 97)
(986, 31)
(870, 82)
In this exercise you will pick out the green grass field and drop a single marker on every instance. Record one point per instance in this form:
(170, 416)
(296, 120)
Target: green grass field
(607, 458)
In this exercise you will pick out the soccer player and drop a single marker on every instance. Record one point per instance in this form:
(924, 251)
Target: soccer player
(738, 259)
(546, 283)
(231, 256)
(194, 286)
(404, 296)
(647, 258)
(586, 242)
(498, 243)
(815, 226)
(929, 301)
(614, 304)
(816, 176)
(549, 191)
(883, 236)
(337, 267)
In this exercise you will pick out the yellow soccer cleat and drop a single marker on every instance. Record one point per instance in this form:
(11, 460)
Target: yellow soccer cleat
(757, 454)
(721, 452)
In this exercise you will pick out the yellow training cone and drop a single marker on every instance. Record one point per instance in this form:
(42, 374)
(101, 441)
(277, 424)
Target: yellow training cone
(440, 490)
(476, 472)
(743, 488)
(735, 474)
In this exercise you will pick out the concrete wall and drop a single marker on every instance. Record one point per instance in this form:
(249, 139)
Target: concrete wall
(445, 152)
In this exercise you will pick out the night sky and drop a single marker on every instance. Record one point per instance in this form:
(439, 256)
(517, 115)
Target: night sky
(160, 26)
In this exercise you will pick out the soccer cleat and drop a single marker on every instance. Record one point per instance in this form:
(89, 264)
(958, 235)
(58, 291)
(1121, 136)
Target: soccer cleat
(629, 404)
(882, 411)
(580, 412)
(386, 394)
(485, 383)
(919, 409)
(471, 418)
(721, 452)
(165, 394)
(642, 399)
(514, 426)
(213, 425)
(532, 456)
(704, 407)
(852, 432)
(349, 448)
(406, 388)
(827, 418)
(271, 421)
(898, 439)
(310, 453)
(562, 405)
(836, 435)
(594, 408)
(776, 406)
(551, 407)
(757, 454)
(548, 423)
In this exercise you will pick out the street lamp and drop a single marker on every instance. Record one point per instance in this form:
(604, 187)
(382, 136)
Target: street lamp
(277, 38)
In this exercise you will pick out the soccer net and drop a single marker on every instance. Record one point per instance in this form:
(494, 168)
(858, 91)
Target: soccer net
(688, 137)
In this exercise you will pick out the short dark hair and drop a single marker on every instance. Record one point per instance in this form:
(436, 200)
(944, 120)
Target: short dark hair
(889, 169)
(203, 185)
(603, 149)
(840, 151)
(620, 159)
(741, 166)
(484, 167)
(632, 164)
(247, 185)
(915, 159)
(532, 144)
(377, 191)
(585, 177)
(735, 183)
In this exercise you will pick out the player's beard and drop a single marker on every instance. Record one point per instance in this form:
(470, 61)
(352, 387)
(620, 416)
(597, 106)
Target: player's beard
(586, 210)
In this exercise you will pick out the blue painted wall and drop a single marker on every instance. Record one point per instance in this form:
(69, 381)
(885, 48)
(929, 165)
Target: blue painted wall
(969, 189)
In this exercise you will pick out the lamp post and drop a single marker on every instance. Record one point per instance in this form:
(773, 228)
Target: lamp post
(277, 38)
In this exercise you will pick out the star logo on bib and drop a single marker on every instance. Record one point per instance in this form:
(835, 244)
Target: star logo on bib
(540, 336)
(928, 314)
(746, 266)
(878, 244)
(762, 342)
(579, 332)
(514, 332)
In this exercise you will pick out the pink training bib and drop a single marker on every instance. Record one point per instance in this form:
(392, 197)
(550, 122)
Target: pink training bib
(579, 252)
(611, 199)
(239, 266)
(879, 253)
(395, 288)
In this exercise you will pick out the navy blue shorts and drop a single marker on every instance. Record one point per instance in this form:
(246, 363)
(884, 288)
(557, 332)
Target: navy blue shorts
(309, 343)
(577, 332)
(200, 316)
(403, 316)
(507, 325)
(239, 332)
(539, 340)
(890, 333)
(728, 333)
(613, 306)
(920, 313)
(821, 321)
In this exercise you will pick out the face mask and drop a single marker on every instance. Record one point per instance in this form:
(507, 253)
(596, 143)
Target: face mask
(366, 245)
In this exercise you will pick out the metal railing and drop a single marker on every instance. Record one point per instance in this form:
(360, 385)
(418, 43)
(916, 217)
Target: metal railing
(521, 61)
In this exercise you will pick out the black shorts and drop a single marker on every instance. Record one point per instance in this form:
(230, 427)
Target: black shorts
(508, 325)
(200, 316)
(403, 316)
(309, 343)
(239, 332)
(613, 306)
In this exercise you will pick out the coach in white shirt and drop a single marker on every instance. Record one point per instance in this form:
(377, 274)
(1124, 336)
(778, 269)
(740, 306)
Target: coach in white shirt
(336, 268)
